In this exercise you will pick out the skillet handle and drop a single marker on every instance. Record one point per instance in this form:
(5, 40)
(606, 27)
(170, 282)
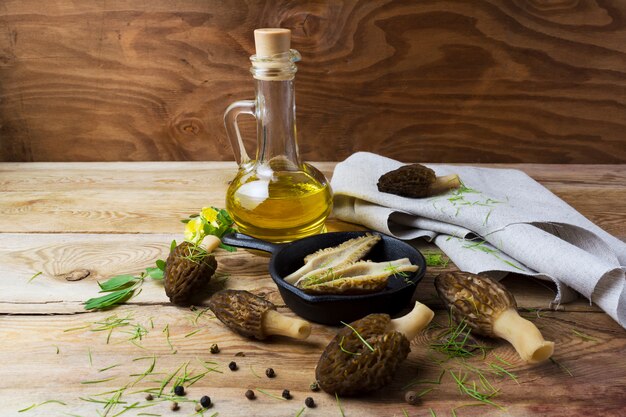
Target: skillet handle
(244, 241)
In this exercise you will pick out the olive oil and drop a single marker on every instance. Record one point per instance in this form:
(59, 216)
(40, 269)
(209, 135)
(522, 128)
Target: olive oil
(281, 206)
(275, 196)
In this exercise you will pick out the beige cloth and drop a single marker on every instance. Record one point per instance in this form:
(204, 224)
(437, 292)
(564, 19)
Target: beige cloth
(503, 221)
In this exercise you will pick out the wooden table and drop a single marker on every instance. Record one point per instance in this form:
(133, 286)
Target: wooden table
(78, 223)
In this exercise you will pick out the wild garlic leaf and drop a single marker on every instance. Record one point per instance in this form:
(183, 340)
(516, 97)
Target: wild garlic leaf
(117, 282)
(109, 300)
(160, 263)
(227, 247)
(155, 273)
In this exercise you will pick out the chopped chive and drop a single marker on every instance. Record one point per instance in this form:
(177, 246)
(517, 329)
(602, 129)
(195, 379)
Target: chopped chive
(344, 349)
(90, 358)
(300, 412)
(405, 413)
(109, 367)
(339, 406)
(254, 373)
(270, 395)
(561, 366)
(98, 381)
(500, 370)
(40, 404)
(432, 413)
(584, 337)
(502, 360)
(166, 330)
(192, 333)
(359, 336)
(34, 276)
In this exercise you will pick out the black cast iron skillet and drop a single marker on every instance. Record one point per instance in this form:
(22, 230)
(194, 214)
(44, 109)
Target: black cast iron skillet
(332, 309)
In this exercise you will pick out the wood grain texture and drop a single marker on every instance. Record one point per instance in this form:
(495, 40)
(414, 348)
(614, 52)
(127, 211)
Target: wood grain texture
(98, 257)
(153, 197)
(100, 219)
(32, 366)
(442, 81)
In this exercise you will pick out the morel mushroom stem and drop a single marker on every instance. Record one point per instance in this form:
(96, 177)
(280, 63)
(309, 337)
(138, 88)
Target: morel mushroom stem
(275, 323)
(523, 335)
(414, 322)
(445, 183)
(211, 243)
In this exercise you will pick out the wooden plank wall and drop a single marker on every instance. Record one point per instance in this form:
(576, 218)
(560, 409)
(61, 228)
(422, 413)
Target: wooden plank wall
(423, 80)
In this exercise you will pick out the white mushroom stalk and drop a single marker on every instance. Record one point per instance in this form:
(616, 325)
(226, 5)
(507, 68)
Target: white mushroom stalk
(523, 335)
(275, 323)
(414, 322)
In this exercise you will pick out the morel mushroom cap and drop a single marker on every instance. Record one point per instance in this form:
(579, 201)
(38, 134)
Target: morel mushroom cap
(188, 269)
(252, 316)
(416, 181)
(490, 309)
(348, 366)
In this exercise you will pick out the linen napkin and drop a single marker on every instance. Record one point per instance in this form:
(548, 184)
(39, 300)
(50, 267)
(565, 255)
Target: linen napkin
(499, 221)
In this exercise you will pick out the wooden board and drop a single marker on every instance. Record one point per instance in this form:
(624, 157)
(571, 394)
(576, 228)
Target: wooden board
(50, 349)
(480, 81)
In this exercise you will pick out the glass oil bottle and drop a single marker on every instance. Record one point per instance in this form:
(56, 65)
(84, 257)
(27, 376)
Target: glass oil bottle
(275, 196)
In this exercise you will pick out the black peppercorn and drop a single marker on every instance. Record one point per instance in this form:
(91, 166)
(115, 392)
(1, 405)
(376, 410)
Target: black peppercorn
(232, 366)
(286, 394)
(412, 398)
(179, 390)
(270, 373)
(215, 348)
(149, 397)
(205, 401)
(314, 386)
(250, 394)
(309, 402)
(174, 406)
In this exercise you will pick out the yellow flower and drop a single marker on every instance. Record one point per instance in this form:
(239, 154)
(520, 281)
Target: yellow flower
(210, 214)
(194, 232)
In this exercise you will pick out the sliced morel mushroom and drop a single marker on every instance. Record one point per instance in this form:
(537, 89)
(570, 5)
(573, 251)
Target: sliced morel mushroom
(416, 181)
(252, 316)
(365, 355)
(356, 278)
(345, 253)
(490, 310)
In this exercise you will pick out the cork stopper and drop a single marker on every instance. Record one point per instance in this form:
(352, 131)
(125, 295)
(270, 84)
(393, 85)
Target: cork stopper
(271, 41)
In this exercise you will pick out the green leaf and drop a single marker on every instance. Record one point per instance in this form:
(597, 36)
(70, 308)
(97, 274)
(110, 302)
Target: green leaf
(227, 247)
(160, 263)
(109, 300)
(117, 282)
(185, 221)
(173, 245)
(155, 273)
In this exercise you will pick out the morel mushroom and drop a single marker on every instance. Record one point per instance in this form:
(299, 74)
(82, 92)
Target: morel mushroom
(364, 356)
(191, 264)
(490, 310)
(252, 316)
(416, 181)
(356, 278)
(189, 267)
(349, 251)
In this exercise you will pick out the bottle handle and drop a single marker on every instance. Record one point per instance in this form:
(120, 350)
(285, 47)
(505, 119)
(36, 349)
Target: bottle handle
(232, 129)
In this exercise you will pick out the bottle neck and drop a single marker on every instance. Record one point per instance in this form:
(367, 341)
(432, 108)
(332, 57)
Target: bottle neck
(276, 124)
(277, 145)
